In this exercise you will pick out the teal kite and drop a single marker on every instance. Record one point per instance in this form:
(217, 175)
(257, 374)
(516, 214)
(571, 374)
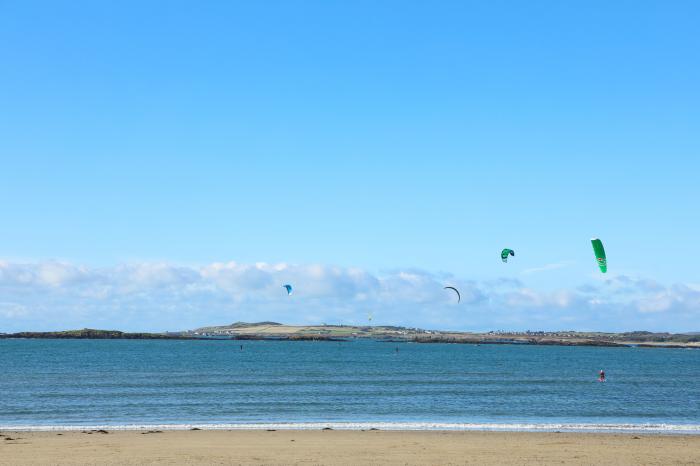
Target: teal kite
(505, 253)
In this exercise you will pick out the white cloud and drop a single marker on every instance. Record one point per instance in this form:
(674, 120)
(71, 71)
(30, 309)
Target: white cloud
(12, 310)
(162, 296)
(547, 268)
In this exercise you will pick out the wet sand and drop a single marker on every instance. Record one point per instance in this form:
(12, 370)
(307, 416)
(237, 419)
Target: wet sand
(344, 448)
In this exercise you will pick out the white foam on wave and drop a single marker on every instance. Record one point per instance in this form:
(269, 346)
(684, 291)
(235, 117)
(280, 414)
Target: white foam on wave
(395, 426)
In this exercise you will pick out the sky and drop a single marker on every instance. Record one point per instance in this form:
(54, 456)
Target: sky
(168, 165)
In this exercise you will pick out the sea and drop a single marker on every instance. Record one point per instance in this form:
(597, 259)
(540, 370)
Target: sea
(229, 384)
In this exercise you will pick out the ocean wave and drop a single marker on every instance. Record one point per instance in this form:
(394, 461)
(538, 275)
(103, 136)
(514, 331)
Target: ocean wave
(693, 429)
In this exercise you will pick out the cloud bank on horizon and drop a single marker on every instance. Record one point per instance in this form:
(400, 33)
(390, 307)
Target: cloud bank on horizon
(160, 296)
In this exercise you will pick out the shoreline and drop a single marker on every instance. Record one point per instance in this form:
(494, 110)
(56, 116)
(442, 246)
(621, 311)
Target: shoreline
(434, 340)
(273, 331)
(305, 447)
(524, 427)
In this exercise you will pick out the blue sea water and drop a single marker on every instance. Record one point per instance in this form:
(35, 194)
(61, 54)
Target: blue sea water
(358, 384)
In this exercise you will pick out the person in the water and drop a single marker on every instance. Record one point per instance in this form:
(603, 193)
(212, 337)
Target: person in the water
(601, 376)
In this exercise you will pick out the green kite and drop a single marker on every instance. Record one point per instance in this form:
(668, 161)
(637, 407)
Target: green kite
(599, 252)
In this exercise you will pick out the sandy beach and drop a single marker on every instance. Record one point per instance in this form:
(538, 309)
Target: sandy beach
(344, 448)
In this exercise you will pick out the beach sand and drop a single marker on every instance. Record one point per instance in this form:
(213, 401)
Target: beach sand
(345, 448)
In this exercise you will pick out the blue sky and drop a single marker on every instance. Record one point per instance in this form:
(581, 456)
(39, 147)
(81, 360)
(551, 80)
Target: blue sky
(389, 138)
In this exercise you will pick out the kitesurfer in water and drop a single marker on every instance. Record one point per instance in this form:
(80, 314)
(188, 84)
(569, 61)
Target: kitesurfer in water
(601, 376)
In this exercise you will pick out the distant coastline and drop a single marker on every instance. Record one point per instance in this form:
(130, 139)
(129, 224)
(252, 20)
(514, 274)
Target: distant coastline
(392, 334)
(92, 334)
